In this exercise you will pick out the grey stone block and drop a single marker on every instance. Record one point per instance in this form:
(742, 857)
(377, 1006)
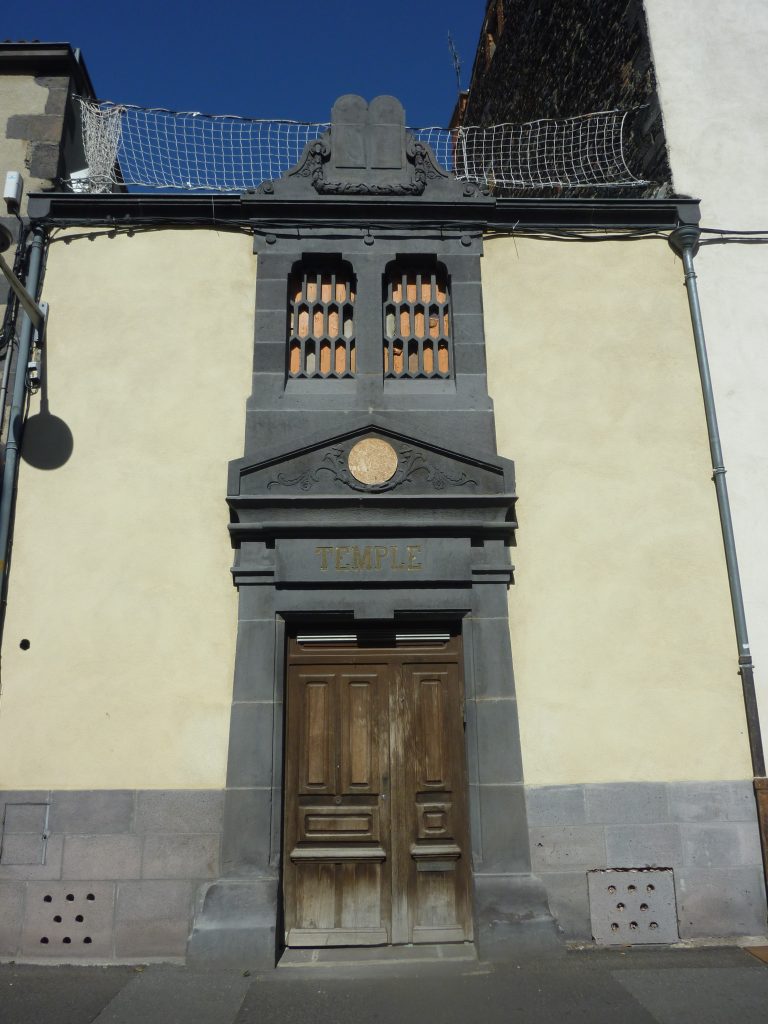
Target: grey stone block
(562, 848)
(513, 916)
(181, 856)
(255, 660)
(93, 811)
(235, 927)
(504, 839)
(465, 266)
(467, 327)
(11, 916)
(469, 359)
(44, 159)
(568, 897)
(250, 744)
(25, 817)
(627, 803)
(69, 919)
(247, 827)
(24, 796)
(712, 801)
(467, 296)
(49, 869)
(101, 857)
(38, 127)
(23, 848)
(53, 81)
(271, 327)
(721, 845)
(498, 738)
(556, 805)
(492, 658)
(153, 918)
(643, 846)
(57, 101)
(257, 601)
(721, 903)
(179, 810)
(489, 600)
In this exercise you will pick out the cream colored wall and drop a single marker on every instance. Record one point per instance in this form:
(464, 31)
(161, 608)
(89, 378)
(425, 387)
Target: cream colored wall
(19, 94)
(623, 643)
(120, 574)
(713, 79)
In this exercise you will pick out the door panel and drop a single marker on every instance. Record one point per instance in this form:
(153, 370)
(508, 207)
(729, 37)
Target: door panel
(375, 831)
(336, 872)
(317, 765)
(439, 853)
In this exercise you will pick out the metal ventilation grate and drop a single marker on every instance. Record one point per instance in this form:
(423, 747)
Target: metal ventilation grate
(632, 906)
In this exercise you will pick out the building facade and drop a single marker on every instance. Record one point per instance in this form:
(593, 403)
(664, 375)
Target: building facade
(479, 648)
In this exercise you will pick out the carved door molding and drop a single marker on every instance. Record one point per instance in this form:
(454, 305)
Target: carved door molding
(376, 831)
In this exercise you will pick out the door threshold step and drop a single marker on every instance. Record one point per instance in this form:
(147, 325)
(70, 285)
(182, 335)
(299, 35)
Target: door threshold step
(374, 956)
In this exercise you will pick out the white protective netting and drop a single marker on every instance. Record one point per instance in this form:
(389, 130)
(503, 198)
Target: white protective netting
(573, 152)
(164, 149)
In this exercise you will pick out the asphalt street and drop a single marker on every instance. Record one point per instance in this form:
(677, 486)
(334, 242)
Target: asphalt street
(630, 986)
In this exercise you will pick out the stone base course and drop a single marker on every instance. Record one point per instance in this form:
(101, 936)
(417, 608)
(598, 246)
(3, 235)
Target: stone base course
(139, 866)
(129, 863)
(707, 832)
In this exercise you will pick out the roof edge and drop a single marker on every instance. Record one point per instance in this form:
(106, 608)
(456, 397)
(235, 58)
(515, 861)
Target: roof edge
(47, 59)
(210, 210)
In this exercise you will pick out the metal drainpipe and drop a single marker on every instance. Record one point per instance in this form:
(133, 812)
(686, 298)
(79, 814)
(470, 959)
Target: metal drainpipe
(10, 325)
(685, 243)
(16, 415)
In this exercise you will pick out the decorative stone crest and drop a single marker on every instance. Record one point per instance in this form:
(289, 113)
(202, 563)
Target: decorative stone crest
(363, 468)
(368, 152)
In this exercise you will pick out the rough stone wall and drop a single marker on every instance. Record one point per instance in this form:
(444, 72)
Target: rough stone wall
(561, 58)
(35, 115)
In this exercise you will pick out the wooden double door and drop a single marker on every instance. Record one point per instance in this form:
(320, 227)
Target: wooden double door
(375, 832)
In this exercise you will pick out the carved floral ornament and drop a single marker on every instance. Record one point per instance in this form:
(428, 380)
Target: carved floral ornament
(372, 465)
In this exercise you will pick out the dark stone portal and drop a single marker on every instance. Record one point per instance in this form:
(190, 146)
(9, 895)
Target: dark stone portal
(416, 531)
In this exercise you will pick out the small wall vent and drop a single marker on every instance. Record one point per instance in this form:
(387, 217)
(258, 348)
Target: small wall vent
(69, 920)
(632, 906)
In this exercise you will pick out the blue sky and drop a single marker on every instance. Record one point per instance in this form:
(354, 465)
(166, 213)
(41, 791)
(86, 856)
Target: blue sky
(263, 59)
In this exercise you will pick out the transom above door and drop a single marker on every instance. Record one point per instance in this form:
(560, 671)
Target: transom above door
(375, 829)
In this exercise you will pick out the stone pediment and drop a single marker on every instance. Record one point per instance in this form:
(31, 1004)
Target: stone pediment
(367, 151)
(370, 461)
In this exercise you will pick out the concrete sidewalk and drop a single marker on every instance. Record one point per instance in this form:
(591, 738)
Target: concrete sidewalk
(632, 986)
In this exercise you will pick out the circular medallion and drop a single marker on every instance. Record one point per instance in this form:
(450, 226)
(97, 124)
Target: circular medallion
(372, 461)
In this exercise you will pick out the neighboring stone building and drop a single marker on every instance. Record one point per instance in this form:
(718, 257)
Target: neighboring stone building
(566, 58)
(40, 134)
(384, 732)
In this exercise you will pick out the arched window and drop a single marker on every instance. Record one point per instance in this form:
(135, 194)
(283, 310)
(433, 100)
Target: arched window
(417, 321)
(321, 327)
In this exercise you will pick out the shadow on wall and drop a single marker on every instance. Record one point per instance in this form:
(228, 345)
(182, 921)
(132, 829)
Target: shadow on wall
(47, 442)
